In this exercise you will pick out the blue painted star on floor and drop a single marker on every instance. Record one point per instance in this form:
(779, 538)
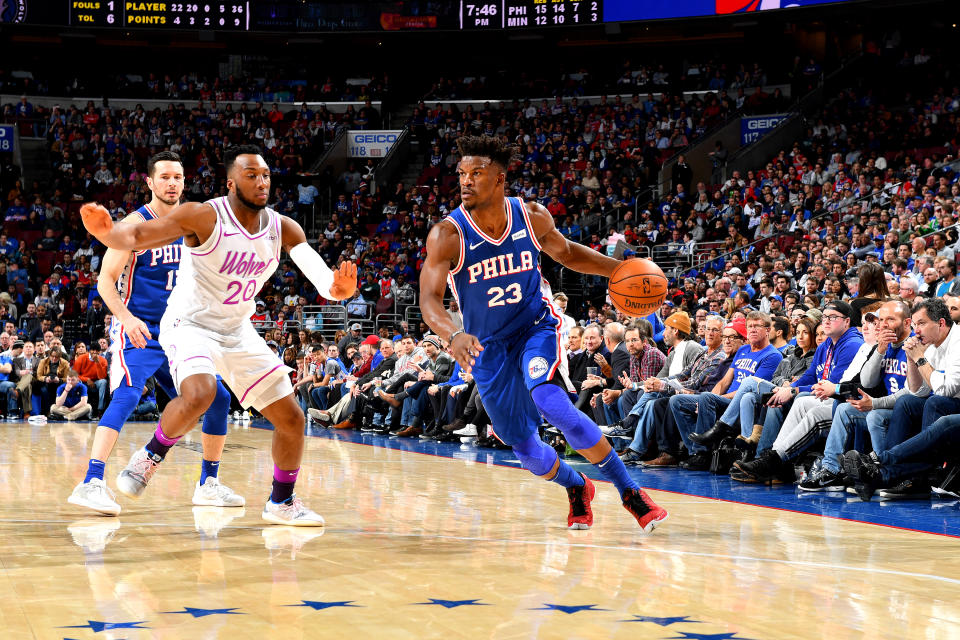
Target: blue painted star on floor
(200, 613)
(663, 622)
(98, 626)
(684, 635)
(318, 605)
(452, 604)
(568, 608)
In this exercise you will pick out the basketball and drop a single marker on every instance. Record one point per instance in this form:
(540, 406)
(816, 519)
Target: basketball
(638, 287)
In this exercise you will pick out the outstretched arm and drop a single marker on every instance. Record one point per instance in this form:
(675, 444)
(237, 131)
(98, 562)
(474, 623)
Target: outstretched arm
(193, 221)
(570, 254)
(111, 268)
(443, 250)
(332, 285)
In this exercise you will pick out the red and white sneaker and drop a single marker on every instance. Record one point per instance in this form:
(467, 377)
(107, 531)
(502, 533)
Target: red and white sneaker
(648, 514)
(580, 515)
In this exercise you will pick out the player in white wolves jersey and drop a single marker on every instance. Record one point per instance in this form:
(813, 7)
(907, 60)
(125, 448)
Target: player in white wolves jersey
(232, 246)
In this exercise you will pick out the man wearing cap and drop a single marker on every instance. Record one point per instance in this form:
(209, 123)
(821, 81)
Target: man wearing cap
(696, 413)
(353, 335)
(838, 358)
(260, 317)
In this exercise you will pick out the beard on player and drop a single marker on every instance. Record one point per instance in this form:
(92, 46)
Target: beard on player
(248, 203)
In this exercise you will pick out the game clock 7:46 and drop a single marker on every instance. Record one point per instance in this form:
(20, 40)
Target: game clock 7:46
(513, 14)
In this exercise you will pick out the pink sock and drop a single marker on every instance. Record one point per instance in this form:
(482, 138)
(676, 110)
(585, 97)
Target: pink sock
(285, 476)
(163, 439)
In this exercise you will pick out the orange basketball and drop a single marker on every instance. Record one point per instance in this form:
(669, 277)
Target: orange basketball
(638, 287)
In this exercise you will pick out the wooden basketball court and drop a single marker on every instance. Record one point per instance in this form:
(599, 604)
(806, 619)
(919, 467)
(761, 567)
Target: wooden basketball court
(454, 544)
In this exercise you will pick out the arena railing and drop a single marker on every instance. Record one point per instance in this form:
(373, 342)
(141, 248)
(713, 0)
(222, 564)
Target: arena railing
(65, 102)
(395, 158)
(326, 319)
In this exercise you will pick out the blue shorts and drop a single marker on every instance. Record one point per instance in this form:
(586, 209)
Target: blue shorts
(507, 370)
(130, 366)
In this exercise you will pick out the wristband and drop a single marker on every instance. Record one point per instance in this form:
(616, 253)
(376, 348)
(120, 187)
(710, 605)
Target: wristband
(454, 335)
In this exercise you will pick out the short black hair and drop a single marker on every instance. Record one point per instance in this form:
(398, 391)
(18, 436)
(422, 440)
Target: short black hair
(500, 152)
(163, 156)
(936, 310)
(782, 324)
(230, 155)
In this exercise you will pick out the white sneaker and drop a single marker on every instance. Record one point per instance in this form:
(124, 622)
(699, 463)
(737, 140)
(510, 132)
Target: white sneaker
(93, 535)
(292, 513)
(134, 478)
(95, 495)
(213, 494)
(236, 416)
(469, 430)
(37, 420)
(246, 416)
(210, 520)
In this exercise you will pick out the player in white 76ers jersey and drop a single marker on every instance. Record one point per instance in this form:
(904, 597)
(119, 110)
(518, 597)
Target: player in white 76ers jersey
(232, 246)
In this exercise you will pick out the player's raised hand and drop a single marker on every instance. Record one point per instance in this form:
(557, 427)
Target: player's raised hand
(465, 348)
(137, 332)
(344, 280)
(96, 219)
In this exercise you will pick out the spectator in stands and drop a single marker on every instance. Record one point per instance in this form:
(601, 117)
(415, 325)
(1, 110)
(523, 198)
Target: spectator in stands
(91, 368)
(51, 373)
(933, 372)
(71, 399)
(147, 408)
(843, 351)
(884, 374)
(24, 366)
(697, 413)
(641, 419)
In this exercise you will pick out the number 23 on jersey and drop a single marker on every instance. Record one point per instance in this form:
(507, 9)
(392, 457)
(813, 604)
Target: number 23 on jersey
(498, 293)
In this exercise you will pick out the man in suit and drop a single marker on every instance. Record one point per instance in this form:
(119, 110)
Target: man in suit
(593, 346)
(24, 368)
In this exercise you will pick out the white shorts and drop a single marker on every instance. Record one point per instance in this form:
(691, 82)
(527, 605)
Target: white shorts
(249, 367)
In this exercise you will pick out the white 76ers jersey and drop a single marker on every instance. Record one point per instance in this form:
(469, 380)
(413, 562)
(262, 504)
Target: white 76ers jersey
(220, 279)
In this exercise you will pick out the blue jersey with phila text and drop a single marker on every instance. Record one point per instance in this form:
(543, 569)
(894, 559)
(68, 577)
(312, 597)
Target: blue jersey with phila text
(497, 281)
(747, 362)
(149, 277)
(894, 369)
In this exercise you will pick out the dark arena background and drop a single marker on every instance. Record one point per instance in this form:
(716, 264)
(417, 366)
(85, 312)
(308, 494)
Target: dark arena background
(791, 166)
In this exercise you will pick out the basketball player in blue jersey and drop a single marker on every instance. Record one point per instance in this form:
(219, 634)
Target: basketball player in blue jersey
(145, 280)
(488, 251)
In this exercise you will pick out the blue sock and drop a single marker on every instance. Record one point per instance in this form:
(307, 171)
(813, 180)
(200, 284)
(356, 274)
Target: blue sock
(613, 470)
(94, 470)
(566, 477)
(208, 469)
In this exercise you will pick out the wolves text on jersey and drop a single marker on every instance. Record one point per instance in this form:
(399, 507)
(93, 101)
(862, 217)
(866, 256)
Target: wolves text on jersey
(244, 264)
(501, 265)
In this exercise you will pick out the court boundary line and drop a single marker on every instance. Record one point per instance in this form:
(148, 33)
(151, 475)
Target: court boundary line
(543, 543)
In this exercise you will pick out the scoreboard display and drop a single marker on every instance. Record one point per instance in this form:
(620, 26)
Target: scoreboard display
(307, 16)
(518, 14)
(212, 14)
